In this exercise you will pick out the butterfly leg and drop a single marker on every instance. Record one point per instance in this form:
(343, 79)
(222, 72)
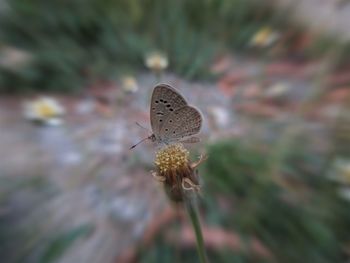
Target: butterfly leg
(202, 158)
(191, 140)
(138, 124)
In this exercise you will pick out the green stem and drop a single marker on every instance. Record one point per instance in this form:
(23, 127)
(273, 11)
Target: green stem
(193, 214)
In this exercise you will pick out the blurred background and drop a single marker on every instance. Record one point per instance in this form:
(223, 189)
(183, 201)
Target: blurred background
(272, 79)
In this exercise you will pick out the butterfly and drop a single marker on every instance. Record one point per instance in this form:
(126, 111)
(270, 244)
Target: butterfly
(172, 119)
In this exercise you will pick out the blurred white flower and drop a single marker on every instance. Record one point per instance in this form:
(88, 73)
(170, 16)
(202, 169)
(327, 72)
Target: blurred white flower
(129, 84)
(12, 58)
(342, 171)
(344, 192)
(156, 61)
(265, 37)
(44, 110)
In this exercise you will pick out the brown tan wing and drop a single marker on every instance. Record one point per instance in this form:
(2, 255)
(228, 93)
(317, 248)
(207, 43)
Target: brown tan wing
(184, 122)
(165, 100)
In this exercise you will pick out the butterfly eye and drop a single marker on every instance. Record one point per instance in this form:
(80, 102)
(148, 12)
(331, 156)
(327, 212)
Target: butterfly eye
(171, 109)
(156, 101)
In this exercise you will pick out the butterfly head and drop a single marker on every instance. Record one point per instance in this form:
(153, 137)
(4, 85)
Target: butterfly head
(153, 138)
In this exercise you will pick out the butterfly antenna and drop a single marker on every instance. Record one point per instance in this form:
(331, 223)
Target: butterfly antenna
(138, 124)
(132, 147)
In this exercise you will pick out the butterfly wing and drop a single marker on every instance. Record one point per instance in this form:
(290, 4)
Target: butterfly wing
(192, 139)
(181, 123)
(165, 100)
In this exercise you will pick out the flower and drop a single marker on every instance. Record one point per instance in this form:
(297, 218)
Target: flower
(156, 61)
(129, 84)
(44, 110)
(344, 192)
(343, 171)
(14, 59)
(176, 172)
(341, 175)
(266, 36)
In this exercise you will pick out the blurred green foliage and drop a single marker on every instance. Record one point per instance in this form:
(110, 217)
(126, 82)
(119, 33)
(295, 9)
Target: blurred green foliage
(74, 42)
(161, 252)
(299, 218)
(64, 241)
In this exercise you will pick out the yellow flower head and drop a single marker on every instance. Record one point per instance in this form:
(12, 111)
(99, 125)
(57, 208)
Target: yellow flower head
(264, 37)
(44, 109)
(172, 158)
(176, 172)
(129, 84)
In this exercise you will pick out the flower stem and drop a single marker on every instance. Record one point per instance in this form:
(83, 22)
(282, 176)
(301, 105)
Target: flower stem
(193, 214)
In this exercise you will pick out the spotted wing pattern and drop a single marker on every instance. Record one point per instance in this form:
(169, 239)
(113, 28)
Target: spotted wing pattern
(181, 123)
(165, 100)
